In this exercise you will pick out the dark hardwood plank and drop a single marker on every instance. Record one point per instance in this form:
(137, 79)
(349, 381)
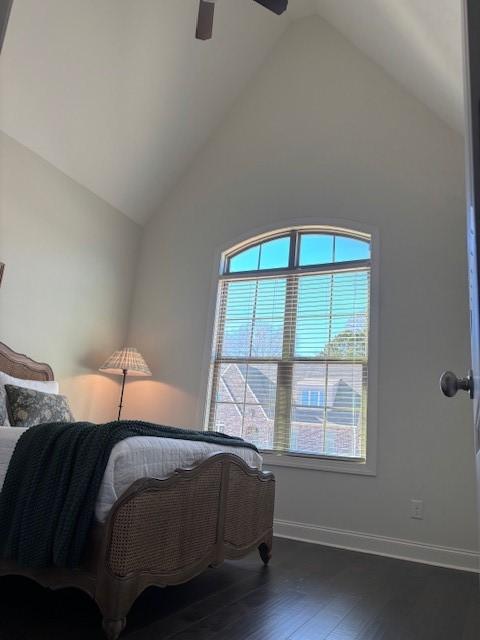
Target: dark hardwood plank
(308, 592)
(472, 618)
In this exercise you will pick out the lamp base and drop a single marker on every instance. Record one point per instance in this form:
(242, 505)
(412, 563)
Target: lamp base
(120, 406)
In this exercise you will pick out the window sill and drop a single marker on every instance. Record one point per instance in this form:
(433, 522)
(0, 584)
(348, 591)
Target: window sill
(318, 464)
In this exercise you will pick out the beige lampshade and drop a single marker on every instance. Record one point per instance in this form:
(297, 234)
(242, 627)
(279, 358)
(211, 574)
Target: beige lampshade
(127, 359)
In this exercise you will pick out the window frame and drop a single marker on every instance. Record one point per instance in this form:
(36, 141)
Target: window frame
(221, 272)
(294, 256)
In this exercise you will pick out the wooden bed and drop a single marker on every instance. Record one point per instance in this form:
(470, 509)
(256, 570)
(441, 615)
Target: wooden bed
(161, 532)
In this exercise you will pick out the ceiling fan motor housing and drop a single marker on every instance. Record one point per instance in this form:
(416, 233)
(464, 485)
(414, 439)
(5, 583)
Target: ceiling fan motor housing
(207, 9)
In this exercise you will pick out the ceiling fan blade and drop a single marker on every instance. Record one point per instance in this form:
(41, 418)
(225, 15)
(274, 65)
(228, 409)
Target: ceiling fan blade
(277, 6)
(5, 8)
(205, 20)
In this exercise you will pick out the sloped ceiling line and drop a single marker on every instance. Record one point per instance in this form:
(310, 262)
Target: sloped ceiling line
(120, 96)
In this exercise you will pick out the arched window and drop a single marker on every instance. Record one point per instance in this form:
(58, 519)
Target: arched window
(289, 368)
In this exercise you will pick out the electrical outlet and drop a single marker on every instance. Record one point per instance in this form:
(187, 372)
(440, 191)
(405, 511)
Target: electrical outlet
(416, 509)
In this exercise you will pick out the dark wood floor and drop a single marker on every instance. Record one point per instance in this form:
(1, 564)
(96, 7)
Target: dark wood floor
(308, 593)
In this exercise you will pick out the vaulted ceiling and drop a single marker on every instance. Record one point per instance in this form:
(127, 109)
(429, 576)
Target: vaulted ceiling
(120, 96)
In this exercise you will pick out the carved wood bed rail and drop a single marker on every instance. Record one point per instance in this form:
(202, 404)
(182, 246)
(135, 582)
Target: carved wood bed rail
(162, 531)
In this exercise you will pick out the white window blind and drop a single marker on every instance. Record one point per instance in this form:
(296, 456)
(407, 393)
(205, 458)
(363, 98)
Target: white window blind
(289, 367)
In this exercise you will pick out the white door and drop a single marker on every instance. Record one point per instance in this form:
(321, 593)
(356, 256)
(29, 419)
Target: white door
(471, 383)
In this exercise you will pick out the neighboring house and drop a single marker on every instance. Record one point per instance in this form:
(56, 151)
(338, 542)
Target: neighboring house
(246, 407)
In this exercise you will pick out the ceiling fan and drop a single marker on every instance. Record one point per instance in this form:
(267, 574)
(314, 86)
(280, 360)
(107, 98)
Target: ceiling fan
(207, 9)
(5, 8)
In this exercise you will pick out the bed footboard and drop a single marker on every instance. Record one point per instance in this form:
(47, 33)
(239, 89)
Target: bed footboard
(165, 532)
(161, 532)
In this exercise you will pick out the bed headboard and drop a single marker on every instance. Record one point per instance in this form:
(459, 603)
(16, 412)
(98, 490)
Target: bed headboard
(21, 366)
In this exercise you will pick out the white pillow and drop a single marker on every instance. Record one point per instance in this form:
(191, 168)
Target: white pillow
(36, 385)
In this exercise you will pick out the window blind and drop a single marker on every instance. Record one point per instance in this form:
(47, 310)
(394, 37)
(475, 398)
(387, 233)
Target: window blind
(289, 367)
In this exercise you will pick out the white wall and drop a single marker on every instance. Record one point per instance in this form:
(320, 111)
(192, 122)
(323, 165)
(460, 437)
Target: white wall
(70, 262)
(324, 133)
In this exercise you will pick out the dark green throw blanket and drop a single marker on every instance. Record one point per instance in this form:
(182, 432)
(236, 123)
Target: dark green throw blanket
(48, 499)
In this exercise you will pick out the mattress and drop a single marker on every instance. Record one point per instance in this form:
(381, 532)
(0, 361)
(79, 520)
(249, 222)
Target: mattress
(135, 458)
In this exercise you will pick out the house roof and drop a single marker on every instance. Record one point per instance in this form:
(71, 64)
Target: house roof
(341, 397)
(120, 96)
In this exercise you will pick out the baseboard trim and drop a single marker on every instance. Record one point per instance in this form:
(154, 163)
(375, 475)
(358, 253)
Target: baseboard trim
(463, 559)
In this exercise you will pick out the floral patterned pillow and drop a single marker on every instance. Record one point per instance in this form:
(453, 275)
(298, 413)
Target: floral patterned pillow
(28, 407)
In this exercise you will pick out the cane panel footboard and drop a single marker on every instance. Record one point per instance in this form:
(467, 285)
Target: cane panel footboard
(195, 518)
(249, 508)
(164, 531)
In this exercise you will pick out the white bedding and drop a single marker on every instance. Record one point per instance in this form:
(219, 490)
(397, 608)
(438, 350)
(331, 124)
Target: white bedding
(135, 458)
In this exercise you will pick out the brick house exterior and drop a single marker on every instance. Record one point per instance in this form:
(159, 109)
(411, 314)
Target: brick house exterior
(325, 417)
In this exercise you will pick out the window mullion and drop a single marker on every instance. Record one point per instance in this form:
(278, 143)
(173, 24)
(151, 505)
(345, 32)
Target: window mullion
(292, 260)
(327, 371)
(254, 313)
(283, 401)
(217, 352)
(215, 381)
(221, 318)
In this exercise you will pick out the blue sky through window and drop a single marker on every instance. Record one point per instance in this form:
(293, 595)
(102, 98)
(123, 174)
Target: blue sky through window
(273, 254)
(315, 249)
(246, 260)
(351, 249)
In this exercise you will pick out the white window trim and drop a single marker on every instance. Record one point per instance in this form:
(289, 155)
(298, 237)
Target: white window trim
(369, 466)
